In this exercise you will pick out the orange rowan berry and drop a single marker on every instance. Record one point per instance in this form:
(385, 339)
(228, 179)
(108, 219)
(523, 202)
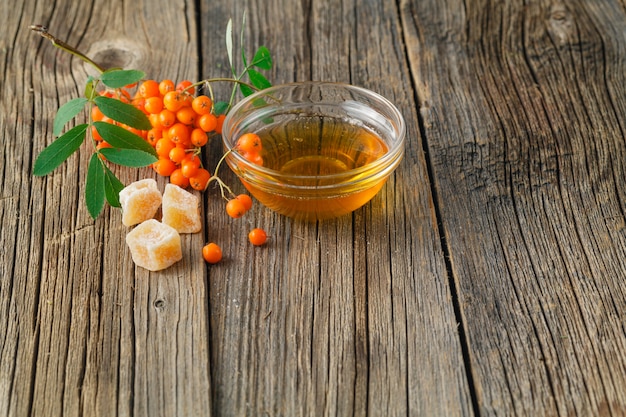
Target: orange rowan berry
(166, 118)
(202, 104)
(96, 114)
(154, 120)
(190, 165)
(163, 147)
(177, 178)
(245, 200)
(186, 115)
(154, 135)
(207, 122)
(257, 236)
(212, 253)
(249, 143)
(177, 154)
(179, 133)
(153, 105)
(220, 123)
(235, 208)
(173, 101)
(198, 137)
(149, 88)
(164, 167)
(95, 135)
(185, 86)
(200, 180)
(165, 86)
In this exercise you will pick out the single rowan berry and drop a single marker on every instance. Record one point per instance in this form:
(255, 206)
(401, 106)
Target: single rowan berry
(245, 200)
(163, 147)
(207, 122)
(186, 115)
(185, 85)
(177, 154)
(166, 86)
(177, 178)
(202, 105)
(235, 208)
(164, 167)
(249, 143)
(257, 237)
(149, 88)
(179, 133)
(220, 123)
(173, 101)
(200, 180)
(198, 137)
(153, 105)
(212, 253)
(167, 118)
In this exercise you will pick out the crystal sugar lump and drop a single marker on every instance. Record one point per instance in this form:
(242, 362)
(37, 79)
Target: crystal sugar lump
(140, 201)
(181, 209)
(154, 245)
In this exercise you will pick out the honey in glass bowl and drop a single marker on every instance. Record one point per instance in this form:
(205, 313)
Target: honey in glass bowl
(327, 148)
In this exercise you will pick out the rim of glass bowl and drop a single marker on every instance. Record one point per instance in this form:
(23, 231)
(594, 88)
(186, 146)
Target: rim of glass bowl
(266, 177)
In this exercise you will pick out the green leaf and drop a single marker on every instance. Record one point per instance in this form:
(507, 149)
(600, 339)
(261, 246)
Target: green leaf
(241, 43)
(94, 186)
(112, 187)
(66, 113)
(220, 107)
(229, 43)
(128, 157)
(245, 90)
(123, 112)
(118, 137)
(262, 59)
(58, 151)
(121, 78)
(90, 88)
(258, 80)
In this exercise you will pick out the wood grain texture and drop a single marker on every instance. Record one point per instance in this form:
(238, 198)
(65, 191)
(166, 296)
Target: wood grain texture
(84, 332)
(351, 316)
(486, 278)
(522, 107)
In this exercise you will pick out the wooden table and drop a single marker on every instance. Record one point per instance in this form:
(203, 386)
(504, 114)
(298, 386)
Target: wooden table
(486, 278)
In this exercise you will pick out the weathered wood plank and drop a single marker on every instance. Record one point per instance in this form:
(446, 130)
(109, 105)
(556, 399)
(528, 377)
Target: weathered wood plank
(522, 105)
(347, 317)
(83, 331)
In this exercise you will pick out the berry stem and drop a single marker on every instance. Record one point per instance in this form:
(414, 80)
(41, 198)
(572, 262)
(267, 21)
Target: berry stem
(43, 31)
(215, 177)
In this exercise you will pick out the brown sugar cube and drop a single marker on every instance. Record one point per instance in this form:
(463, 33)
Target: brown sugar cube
(154, 245)
(140, 201)
(181, 209)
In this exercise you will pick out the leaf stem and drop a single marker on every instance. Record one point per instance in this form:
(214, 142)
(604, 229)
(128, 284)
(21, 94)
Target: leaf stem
(43, 32)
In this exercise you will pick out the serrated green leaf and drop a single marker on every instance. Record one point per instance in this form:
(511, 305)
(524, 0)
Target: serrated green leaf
(66, 113)
(258, 80)
(58, 151)
(123, 112)
(220, 107)
(262, 59)
(245, 90)
(128, 157)
(94, 186)
(112, 187)
(118, 137)
(121, 78)
(229, 43)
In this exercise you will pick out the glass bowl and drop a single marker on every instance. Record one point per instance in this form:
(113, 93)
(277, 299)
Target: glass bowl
(326, 148)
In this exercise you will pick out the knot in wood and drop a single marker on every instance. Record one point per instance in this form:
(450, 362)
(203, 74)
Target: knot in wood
(159, 304)
(117, 53)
